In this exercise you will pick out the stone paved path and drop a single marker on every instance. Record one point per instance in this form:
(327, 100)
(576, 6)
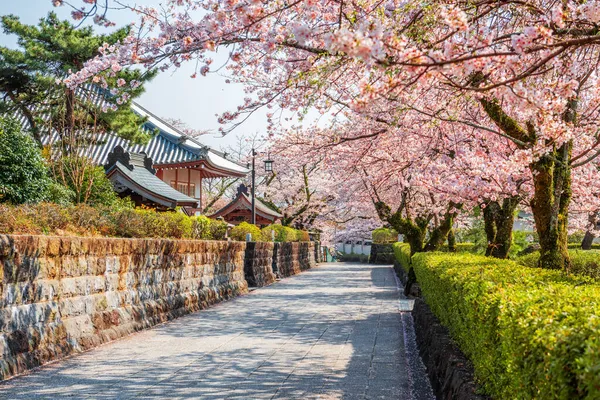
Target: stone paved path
(331, 332)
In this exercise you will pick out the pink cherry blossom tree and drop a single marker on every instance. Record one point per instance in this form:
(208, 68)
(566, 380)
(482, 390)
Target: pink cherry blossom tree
(526, 72)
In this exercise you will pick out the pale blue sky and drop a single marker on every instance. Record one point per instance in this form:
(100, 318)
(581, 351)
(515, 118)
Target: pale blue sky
(171, 94)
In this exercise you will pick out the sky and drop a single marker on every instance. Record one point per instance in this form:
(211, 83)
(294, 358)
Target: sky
(172, 94)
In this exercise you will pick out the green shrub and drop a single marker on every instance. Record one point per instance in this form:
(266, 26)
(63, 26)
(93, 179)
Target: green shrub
(583, 262)
(201, 227)
(218, 229)
(302, 236)
(384, 235)
(576, 237)
(461, 247)
(595, 246)
(206, 228)
(284, 234)
(86, 181)
(530, 333)
(59, 194)
(402, 254)
(239, 232)
(23, 173)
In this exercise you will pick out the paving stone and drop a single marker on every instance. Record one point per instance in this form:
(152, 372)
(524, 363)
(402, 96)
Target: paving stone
(333, 332)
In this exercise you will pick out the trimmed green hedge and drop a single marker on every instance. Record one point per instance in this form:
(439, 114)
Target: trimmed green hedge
(530, 333)
(595, 246)
(402, 254)
(284, 234)
(461, 247)
(239, 232)
(384, 235)
(583, 262)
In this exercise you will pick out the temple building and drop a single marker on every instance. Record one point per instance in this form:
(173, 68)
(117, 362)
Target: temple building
(240, 210)
(180, 161)
(132, 175)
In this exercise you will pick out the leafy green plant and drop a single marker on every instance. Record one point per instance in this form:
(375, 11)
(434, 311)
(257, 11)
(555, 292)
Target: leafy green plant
(384, 235)
(284, 234)
(239, 232)
(583, 262)
(23, 173)
(531, 333)
(201, 227)
(218, 229)
(402, 255)
(462, 247)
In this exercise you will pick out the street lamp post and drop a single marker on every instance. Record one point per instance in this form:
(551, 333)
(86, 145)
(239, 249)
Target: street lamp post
(268, 168)
(253, 192)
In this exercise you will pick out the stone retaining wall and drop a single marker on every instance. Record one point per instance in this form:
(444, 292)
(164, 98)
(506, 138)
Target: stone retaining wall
(258, 264)
(382, 254)
(60, 295)
(292, 258)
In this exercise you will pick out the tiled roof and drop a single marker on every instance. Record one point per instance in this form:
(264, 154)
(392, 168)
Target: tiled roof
(168, 146)
(128, 170)
(243, 200)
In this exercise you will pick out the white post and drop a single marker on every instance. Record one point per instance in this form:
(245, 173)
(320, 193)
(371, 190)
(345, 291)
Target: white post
(248, 237)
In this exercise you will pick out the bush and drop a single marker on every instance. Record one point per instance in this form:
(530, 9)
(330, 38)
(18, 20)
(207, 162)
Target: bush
(206, 228)
(201, 227)
(23, 173)
(384, 235)
(595, 246)
(530, 333)
(122, 219)
(583, 262)
(402, 254)
(239, 232)
(218, 229)
(87, 182)
(284, 234)
(302, 236)
(462, 247)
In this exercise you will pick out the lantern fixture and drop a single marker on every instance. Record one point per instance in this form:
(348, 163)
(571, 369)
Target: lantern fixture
(268, 165)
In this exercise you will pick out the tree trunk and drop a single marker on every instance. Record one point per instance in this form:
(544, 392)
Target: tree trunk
(588, 239)
(451, 241)
(414, 235)
(550, 206)
(440, 233)
(498, 221)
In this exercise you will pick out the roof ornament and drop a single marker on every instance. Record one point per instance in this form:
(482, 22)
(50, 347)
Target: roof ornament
(129, 160)
(182, 139)
(242, 189)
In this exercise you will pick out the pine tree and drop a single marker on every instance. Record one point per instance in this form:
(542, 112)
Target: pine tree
(30, 83)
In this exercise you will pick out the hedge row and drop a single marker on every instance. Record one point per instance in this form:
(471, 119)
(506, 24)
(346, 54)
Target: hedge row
(530, 333)
(461, 247)
(595, 246)
(126, 221)
(583, 262)
(278, 232)
(122, 221)
(402, 254)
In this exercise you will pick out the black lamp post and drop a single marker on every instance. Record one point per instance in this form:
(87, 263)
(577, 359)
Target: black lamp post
(268, 168)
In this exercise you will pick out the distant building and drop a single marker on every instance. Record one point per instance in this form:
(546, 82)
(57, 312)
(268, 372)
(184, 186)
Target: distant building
(240, 210)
